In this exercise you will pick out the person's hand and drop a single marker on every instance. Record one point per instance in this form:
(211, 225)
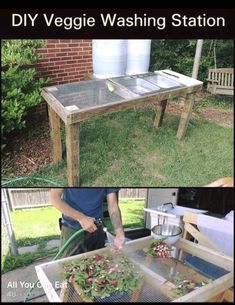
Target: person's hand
(88, 224)
(119, 240)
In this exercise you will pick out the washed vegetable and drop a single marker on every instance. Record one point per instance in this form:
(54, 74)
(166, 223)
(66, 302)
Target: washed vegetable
(184, 285)
(159, 248)
(100, 276)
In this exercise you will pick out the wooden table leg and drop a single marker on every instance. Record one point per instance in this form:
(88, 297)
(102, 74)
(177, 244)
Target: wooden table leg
(64, 293)
(73, 153)
(185, 116)
(161, 107)
(54, 120)
(137, 293)
(229, 295)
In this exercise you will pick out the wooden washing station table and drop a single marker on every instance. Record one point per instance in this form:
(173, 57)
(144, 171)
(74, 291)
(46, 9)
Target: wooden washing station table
(80, 101)
(157, 281)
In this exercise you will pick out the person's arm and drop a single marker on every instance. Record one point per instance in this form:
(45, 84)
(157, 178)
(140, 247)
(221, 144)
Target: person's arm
(115, 216)
(86, 222)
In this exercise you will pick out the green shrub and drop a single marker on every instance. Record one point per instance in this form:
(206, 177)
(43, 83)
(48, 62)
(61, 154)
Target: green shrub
(178, 55)
(20, 83)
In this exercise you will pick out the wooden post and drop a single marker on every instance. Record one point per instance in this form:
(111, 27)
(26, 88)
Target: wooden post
(185, 116)
(55, 135)
(64, 293)
(161, 107)
(137, 293)
(197, 58)
(229, 295)
(8, 223)
(218, 298)
(73, 153)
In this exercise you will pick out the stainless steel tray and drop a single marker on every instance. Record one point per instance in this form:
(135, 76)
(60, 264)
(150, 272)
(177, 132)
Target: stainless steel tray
(137, 85)
(162, 81)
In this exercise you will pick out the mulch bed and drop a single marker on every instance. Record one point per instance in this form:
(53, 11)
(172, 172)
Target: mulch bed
(28, 151)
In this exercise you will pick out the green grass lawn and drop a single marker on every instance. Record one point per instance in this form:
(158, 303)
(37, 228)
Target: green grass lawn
(32, 225)
(224, 102)
(132, 214)
(36, 226)
(125, 149)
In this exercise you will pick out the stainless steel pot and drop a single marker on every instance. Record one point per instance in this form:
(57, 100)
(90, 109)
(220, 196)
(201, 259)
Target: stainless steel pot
(169, 232)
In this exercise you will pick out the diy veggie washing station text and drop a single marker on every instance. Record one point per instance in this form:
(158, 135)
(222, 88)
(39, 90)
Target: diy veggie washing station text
(114, 20)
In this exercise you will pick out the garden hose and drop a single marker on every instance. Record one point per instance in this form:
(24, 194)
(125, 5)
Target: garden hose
(30, 177)
(57, 256)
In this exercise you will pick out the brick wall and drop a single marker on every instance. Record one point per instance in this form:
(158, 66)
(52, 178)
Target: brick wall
(64, 61)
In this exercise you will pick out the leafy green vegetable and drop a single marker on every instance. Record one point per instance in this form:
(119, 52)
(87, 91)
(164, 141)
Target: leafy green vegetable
(102, 275)
(159, 248)
(184, 286)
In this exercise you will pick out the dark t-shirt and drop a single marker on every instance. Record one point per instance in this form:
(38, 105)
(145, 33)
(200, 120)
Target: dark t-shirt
(88, 201)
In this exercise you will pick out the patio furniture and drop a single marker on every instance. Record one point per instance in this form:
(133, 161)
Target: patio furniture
(220, 81)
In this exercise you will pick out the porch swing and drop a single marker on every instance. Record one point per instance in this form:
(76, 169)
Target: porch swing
(220, 80)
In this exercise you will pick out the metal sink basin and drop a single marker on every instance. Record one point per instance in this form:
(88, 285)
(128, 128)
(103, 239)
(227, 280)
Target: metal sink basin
(137, 85)
(162, 81)
(82, 95)
(179, 210)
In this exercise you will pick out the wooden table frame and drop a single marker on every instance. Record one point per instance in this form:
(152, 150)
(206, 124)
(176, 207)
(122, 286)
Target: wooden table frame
(191, 230)
(203, 294)
(73, 118)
